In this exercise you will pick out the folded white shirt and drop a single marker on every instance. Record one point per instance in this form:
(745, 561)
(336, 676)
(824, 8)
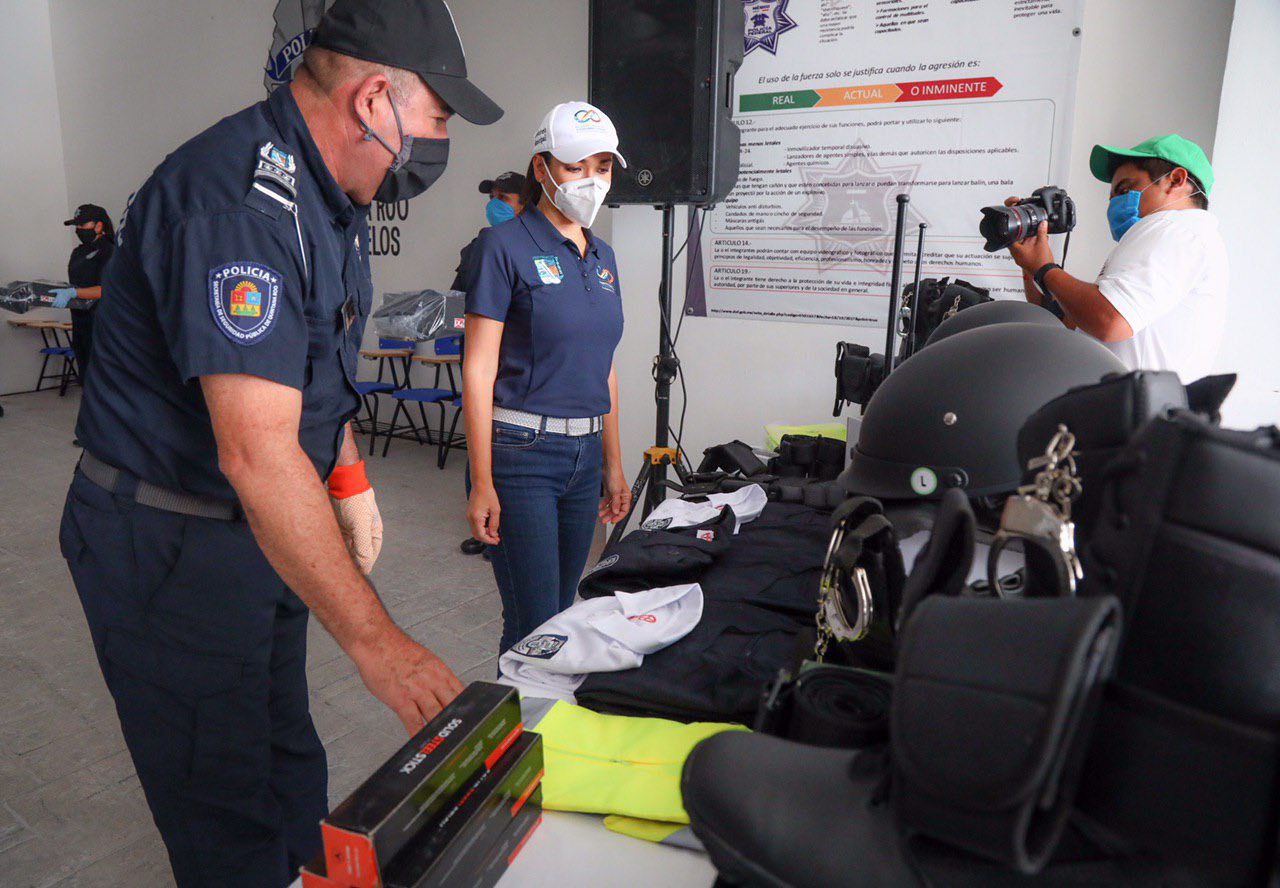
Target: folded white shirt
(604, 634)
(747, 504)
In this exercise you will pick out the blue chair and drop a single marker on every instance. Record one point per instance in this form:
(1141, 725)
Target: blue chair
(447, 348)
(65, 375)
(393, 353)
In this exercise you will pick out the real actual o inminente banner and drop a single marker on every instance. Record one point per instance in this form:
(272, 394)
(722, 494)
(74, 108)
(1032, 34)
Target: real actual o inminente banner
(843, 104)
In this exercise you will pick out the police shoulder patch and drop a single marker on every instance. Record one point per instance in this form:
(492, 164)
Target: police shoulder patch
(542, 647)
(656, 524)
(244, 298)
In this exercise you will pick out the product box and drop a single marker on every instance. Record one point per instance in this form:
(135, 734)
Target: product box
(314, 874)
(362, 834)
(457, 847)
(509, 846)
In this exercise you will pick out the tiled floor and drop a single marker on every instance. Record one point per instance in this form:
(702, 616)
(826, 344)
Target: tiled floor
(71, 810)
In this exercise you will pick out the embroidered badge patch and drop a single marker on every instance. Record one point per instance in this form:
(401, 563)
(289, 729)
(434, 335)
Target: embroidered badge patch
(543, 647)
(605, 562)
(606, 278)
(244, 298)
(548, 268)
(707, 536)
(656, 524)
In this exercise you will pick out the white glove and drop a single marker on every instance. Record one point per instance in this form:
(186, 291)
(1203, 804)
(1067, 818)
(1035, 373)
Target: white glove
(356, 509)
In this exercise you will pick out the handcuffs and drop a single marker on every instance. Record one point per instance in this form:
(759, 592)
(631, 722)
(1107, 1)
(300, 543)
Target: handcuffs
(1039, 514)
(863, 553)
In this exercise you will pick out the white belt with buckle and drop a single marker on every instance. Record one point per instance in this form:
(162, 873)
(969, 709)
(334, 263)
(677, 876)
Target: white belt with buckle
(574, 428)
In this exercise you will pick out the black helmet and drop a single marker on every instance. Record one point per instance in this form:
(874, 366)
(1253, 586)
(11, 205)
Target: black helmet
(1000, 311)
(949, 417)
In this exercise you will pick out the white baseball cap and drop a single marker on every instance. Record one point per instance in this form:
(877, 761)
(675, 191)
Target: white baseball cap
(572, 131)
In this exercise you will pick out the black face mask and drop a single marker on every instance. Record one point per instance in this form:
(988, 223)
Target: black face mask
(86, 235)
(414, 168)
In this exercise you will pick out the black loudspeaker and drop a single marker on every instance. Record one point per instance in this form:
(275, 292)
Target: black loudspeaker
(663, 71)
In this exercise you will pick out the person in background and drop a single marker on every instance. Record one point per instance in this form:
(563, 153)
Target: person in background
(540, 396)
(504, 204)
(84, 272)
(1160, 301)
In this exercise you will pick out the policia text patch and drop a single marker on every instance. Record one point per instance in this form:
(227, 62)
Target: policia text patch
(244, 298)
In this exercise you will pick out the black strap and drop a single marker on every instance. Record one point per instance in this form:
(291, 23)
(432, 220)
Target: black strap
(840, 707)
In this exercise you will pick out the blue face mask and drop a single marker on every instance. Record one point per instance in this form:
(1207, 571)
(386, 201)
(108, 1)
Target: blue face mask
(1122, 211)
(498, 211)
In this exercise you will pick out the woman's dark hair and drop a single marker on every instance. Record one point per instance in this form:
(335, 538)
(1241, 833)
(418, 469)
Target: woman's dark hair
(532, 188)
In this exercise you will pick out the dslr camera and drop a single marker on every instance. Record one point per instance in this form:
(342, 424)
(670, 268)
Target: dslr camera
(1004, 226)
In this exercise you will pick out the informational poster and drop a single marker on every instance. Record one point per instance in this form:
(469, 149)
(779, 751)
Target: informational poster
(843, 105)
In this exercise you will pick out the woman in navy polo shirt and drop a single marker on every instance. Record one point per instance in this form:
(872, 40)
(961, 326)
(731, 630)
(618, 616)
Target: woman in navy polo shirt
(544, 315)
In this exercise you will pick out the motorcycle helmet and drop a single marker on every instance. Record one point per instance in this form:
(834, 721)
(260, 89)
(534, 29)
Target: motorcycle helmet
(1002, 311)
(949, 417)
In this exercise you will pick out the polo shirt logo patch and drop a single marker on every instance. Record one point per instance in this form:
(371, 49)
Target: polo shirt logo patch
(605, 563)
(548, 268)
(244, 298)
(656, 524)
(542, 647)
(606, 278)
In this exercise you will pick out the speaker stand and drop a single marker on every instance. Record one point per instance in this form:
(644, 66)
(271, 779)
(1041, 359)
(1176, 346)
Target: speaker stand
(651, 483)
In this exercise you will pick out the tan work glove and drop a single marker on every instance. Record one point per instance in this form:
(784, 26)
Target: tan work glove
(357, 512)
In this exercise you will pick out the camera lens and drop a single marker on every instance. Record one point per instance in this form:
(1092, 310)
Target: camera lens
(1004, 226)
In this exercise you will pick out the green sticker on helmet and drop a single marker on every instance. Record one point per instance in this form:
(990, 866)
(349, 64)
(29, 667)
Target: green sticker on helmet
(924, 481)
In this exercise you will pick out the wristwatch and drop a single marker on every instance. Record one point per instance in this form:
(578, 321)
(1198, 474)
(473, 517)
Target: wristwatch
(1038, 277)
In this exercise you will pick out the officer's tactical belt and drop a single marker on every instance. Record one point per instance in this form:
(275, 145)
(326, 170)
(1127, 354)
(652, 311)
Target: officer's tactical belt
(123, 483)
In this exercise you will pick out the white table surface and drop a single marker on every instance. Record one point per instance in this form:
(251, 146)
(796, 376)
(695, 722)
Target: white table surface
(576, 851)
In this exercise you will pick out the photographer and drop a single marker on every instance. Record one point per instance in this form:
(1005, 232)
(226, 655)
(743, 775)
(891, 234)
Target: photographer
(1160, 300)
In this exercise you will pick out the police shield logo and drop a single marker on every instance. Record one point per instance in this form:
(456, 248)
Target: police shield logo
(767, 20)
(541, 647)
(548, 268)
(656, 524)
(244, 298)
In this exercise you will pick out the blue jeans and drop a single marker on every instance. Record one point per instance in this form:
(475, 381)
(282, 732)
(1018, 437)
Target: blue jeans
(549, 492)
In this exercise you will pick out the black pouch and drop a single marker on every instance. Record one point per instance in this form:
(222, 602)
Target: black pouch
(987, 747)
(1186, 761)
(732, 457)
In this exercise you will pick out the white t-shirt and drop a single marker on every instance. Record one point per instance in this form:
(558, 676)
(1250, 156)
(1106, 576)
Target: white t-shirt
(1168, 278)
(605, 634)
(747, 504)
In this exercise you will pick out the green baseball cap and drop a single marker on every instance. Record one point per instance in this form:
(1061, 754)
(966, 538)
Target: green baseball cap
(1173, 148)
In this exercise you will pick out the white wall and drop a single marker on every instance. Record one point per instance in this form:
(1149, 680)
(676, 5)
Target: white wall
(33, 242)
(1246, 188)
(1147, 67)
(142, 76)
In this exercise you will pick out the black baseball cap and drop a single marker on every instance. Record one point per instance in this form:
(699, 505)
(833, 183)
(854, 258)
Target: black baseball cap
(415, 35)
(509, 182)
(89, 213)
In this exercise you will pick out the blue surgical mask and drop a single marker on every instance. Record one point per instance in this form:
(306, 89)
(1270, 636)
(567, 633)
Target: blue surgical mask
(1122, 211)
(498, 211)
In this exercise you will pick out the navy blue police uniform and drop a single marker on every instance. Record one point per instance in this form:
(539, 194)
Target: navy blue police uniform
(239, 255)
(562, 315)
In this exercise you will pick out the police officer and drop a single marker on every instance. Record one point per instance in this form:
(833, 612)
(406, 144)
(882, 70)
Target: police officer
(84, 271)
(197, 527)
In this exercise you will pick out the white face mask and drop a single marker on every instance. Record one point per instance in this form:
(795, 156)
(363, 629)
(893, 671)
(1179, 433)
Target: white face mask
(579, 199)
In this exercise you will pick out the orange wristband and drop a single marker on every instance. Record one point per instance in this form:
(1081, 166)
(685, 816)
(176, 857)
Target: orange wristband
(347, 481)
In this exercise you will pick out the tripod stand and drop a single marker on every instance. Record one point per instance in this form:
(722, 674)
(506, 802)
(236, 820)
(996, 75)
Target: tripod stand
(651, 483)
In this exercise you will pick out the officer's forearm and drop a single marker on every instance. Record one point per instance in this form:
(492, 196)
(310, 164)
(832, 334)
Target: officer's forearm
(349, 453)
(89, 292)
(479, 371)
(255, 423)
